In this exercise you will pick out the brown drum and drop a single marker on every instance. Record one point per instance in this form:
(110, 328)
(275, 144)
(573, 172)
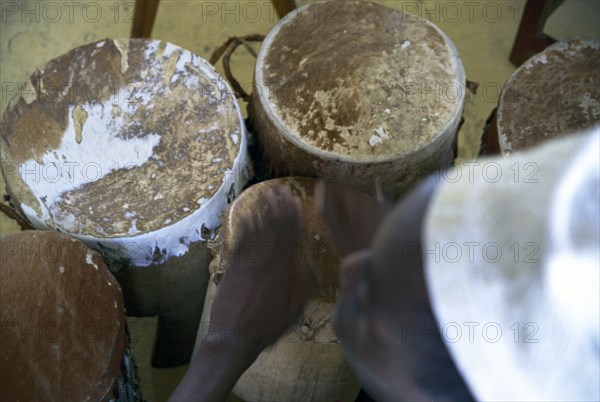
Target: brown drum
(553, 94)
(135, 147)
(357, 92)
(64, 334)
(307, 363)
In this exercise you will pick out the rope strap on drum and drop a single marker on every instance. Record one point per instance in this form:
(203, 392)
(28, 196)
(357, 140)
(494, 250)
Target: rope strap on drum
(226, 50)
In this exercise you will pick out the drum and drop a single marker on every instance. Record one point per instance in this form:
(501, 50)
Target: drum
(553, 94)
(64, 334)
(135, 147)
(357, 92)
(307, 363)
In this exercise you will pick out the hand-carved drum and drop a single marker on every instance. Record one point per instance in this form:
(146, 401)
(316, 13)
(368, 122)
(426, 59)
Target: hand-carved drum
(307, 363)
(355, 91)
(64, 335)
(134, 147)
(554, 93)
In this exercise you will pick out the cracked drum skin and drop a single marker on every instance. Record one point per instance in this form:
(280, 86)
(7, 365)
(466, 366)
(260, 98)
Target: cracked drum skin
(358, 92)
(553, 94)
(135, 147)
(307, 363)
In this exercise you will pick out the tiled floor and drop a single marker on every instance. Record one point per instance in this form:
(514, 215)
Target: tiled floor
(32, 32)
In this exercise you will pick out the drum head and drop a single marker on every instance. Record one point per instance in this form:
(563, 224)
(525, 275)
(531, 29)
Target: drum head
(119, 138)
(554, 93)
(359, 82)
(63, 320)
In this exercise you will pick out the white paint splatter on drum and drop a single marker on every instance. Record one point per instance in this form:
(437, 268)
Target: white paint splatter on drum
(123, 47)
(90, 261)
(191, 164)
(100, 145)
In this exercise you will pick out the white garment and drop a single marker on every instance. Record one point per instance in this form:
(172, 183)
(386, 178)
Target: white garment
(512, 259)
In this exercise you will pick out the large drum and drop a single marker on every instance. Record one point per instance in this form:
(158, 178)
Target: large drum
(553, 94)
(64, 334)
(307, 363)
(357, 92)
(135, 147)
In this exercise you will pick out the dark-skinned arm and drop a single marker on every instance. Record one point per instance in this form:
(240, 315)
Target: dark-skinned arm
(264, 292)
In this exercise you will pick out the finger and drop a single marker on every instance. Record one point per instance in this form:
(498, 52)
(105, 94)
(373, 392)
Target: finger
(250, 224)
(276, 201)
(292, 202)
(297, 203)
(291, 210)
(261, 215)
(379, 191)
(271, 206)
(319, 197)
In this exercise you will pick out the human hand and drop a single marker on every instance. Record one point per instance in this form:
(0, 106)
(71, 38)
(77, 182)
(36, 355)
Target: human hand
(352, 216)
(264, 288)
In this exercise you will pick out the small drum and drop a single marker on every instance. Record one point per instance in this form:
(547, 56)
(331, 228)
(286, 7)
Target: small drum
(554, 93)
(135, 147)
(64, 334)
(357, 92)
(307, 362)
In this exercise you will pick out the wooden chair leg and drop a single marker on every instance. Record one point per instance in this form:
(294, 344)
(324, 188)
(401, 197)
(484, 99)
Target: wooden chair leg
(530, 37)
(143, 18)
(283, 7)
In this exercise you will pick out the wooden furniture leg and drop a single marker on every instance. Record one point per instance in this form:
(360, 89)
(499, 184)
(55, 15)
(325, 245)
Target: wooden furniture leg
(283, 7)
(530, 37)
(143, 18)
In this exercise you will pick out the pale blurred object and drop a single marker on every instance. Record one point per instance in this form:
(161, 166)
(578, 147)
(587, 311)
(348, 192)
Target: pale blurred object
(526, 274)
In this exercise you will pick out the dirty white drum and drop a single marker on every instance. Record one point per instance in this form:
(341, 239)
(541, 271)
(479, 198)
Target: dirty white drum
(358, 92)
(553, 94)
(135, 147)
(307, 363)
(64, 334)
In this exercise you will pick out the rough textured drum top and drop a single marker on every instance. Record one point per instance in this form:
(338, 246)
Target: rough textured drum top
(63, 319)
(556, 92)
(118, 138)
(360, 80)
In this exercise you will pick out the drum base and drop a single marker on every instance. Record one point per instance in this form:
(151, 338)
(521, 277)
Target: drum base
(175, 292)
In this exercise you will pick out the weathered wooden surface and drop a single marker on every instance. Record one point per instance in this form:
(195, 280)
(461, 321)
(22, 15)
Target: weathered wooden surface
(357, 92)
(307, 363)
(555, 93)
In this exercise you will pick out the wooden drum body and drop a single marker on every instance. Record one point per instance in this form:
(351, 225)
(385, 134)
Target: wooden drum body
(307, 363)
(357, 92)
(64, 335)
(554, 93)
(135, 147)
